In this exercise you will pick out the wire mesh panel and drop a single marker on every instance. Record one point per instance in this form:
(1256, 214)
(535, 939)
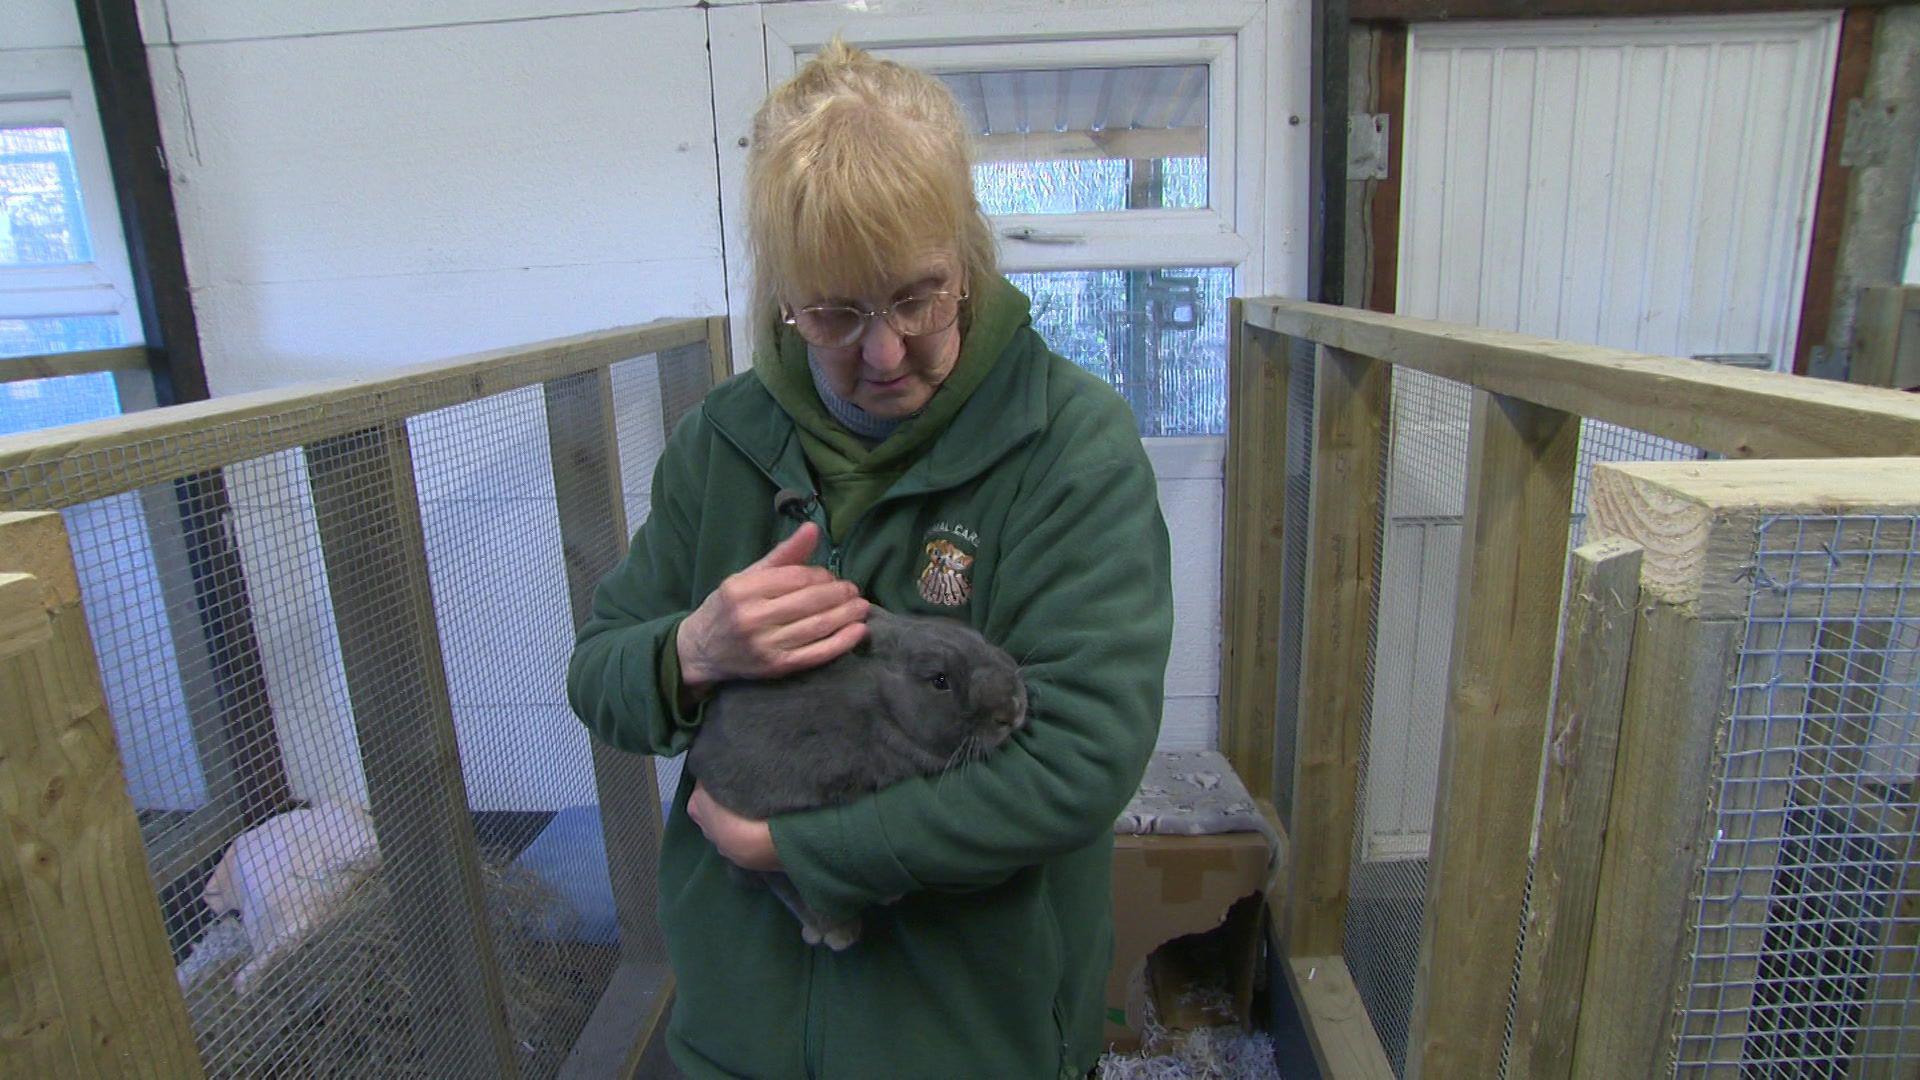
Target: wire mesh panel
(1806, 946)
(333, 632)
(1426, 475)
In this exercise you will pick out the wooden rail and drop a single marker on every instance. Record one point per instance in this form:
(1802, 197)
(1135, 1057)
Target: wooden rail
(185, 440)
(84, 362)
(85, 1018)
(1530, 395)
(1729, 411)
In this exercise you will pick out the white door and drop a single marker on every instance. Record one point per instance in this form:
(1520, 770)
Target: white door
(1644, 184)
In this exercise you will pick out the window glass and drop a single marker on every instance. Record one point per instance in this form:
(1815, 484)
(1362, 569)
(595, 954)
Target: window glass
(1083, 140)
(1157, 336)
(40, 219)
(33, 404)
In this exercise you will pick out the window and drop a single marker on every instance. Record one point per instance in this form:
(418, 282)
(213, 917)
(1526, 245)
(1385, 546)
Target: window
(1120, 156)
(64, 281)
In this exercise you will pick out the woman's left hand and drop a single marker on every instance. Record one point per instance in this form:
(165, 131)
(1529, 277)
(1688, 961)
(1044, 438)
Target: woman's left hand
(743, 841)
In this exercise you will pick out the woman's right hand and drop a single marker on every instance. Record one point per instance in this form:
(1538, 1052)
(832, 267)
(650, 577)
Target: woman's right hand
(776, 617)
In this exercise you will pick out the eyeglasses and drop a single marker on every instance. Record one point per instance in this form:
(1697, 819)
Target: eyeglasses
(835, 326)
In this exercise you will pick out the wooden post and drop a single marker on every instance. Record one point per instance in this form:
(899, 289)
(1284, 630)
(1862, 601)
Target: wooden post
(1352, 395)
(685, 374)
(373, 543)
(1886, 337)
(1344, 1043)
(719, 349)
(1513, 559)
(1254, 550)
(1675, 819)
(86, 977)
(593, 532)
(1595, 646)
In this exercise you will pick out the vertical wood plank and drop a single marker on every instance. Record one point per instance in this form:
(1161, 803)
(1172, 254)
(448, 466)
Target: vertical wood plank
(1253, 552)
(1513, 556)
(1596, 646)
(245, 725)
(719, 349)
(373, 544)
(1658, 832)
(89, 988)
(585, 449)
(1352, 395)
(685, 375)
(1853, 57)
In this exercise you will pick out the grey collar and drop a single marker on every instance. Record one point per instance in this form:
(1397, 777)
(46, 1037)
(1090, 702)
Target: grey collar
(863, 424)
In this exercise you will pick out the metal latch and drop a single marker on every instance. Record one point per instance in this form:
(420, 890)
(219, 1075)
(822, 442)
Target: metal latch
(1032, 235)
(1368, 147)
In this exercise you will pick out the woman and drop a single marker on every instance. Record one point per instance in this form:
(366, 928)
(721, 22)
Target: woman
(935, 458)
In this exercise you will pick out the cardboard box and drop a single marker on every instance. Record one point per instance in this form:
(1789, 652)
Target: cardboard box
(1167, 887)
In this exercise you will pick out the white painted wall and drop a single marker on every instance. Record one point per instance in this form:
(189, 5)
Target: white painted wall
(366, 184)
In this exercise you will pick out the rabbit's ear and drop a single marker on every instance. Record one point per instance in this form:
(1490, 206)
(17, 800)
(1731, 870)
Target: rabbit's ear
(883, 628)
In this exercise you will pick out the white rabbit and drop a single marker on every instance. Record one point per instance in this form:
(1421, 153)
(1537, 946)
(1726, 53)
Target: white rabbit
(286, 875)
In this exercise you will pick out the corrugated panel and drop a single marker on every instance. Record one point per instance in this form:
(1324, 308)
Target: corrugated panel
(1645, 184)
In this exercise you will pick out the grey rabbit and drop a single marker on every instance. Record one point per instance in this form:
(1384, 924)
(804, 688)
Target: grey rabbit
(917, 697)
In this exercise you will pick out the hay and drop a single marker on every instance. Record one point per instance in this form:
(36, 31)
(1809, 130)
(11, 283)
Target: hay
(340, 1004)
(1227, 1052)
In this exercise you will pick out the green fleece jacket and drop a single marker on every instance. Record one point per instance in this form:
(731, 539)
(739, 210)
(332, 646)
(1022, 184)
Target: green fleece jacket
(985, 894)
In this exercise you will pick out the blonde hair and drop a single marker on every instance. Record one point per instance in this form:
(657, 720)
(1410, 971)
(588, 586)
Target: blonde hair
(858, 166)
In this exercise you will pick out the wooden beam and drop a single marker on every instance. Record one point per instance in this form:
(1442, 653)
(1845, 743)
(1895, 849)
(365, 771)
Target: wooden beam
(89, 987)
(63, 466)
(1409, 11)
(1850, 65)
(1596, 645)
(367, 509)
(1254, 547)
(1352, 397)
(1886, 337)
(1697, 522)
(143, 191)
(628, 1022)
(84, 362)
(583, 442)
(1731, 411)
(1345, 1045)
(1659, 828)
(1513, 559)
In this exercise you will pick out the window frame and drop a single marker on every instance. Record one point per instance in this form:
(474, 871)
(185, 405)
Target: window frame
(1255, 224)
(52, 87)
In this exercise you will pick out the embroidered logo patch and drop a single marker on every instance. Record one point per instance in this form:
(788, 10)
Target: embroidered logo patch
(946, 579)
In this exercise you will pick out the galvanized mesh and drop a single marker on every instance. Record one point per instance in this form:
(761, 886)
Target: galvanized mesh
(355, 639)
(1425, 477)
(1805, 957)
(1293, 596)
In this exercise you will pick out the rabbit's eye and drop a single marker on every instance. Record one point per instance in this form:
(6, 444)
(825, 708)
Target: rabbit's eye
(939, 681)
